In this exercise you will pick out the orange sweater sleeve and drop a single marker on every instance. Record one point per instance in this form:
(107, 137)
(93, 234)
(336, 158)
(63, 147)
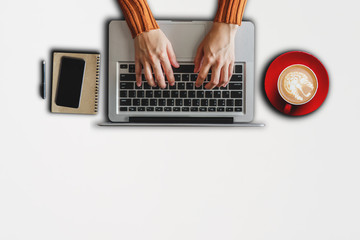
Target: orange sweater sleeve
(230, 11)
(138, 16)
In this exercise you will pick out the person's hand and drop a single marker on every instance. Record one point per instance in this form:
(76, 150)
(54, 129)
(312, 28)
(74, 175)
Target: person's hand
(216, 52)
(153, 51)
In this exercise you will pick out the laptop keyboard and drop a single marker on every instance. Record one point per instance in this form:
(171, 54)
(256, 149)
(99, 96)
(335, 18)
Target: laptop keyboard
(183, 96)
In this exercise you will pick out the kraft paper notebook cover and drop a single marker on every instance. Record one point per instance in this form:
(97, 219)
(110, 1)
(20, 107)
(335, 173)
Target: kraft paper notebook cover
(75, 82)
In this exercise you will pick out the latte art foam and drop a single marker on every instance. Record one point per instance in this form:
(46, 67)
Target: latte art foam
(297, 84)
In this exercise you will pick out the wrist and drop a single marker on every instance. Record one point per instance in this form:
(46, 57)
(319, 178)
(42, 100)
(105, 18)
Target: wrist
(225, 28)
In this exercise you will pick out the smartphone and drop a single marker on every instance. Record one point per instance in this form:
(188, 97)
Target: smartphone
(70, 82)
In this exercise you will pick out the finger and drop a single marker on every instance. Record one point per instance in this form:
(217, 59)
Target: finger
(159, 76)
(171, 55)
(224, 76)
(215, 75)
(231, 69)
(199, 56)
(148, 74)
(203, 72)
(138, 72)
(165, 63)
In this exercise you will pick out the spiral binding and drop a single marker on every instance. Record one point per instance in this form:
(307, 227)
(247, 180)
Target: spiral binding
(97, 83)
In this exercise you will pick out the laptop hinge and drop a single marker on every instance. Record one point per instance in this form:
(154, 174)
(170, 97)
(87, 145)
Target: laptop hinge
(193, 120)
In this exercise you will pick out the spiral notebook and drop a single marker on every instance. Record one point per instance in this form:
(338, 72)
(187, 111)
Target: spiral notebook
(75, 82)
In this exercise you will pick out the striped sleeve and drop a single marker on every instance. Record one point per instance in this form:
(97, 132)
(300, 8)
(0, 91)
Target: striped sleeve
(138, 16)
(230, 11)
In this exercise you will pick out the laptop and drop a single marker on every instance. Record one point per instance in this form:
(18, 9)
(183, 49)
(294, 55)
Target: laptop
(182, 104)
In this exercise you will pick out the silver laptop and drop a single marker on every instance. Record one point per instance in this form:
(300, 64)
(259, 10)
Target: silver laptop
(183, 103)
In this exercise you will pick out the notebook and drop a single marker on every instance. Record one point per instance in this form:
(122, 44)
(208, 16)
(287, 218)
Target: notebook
(75, 82)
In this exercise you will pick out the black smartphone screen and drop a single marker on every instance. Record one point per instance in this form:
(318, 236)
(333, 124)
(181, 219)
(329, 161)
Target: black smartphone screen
(70, 82)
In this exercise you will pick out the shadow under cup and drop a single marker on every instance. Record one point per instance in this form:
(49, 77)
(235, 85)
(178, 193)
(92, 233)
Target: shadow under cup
(297, 84)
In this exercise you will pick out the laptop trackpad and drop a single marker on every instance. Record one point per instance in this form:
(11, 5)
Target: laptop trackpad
(185, 38)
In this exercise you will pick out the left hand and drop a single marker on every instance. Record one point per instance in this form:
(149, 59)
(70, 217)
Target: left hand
(216, 52)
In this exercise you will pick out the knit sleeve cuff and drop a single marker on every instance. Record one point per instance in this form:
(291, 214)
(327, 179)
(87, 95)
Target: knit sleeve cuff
(138, 16)
(230, 11)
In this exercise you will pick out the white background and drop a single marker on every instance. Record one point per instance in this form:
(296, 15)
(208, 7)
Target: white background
(63, 177)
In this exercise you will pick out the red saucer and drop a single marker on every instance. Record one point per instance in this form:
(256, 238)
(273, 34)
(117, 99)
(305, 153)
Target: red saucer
(282, 62)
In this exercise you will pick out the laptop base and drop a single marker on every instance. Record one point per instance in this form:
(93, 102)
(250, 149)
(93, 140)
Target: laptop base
(128, 124)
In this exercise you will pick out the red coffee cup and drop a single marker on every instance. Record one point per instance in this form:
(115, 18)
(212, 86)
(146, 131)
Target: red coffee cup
(301, 96)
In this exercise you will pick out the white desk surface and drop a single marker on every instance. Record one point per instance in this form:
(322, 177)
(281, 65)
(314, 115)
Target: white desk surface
(64, 177)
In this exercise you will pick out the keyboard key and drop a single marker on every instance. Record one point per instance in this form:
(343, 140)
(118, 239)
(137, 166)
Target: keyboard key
(177, 77)
(238, 102)
(167, 109)
(208, 94)
(157, 94)
(187, 102)
(236, 78)
(200, 94)
(176, 109)
(185, 77)
(158, 109)
(185, 109)
(211, 109)
(123, 66)
(193, 77)
(136, 102)
(229, 102)
(147, 86)
(189, 86)
(228, 109)
(203, 109)
(236, 94)
(170, 102)
(141, 109)
(196, 102)
(149, 94)
(178, 102)
(162, 102)
(204, 102)
(238, 68)
(238, 109)
(153, 102)
(213, 102)
(194, 109)
(125, 102)
(150, 109)
(132, 93)
(217, 94)
(140, 94)
(126, 85)
(166, 94)
(220, 109)
(127, 77)
(221, 102)
(123, 93)
(174, 94)
(183, 94)
(235, 86)
(225, 94)
(123, 109)
(191, 94)
(181, 85)
(132, 109)
(184, 69)
(145, 102)
(132, 68)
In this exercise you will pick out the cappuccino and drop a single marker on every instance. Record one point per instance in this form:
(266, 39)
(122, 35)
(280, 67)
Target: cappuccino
(297, 84)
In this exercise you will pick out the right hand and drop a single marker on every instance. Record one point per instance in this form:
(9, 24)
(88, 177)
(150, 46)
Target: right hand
(153, 51)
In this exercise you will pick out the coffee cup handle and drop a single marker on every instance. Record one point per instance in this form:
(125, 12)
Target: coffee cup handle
(287, 108)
